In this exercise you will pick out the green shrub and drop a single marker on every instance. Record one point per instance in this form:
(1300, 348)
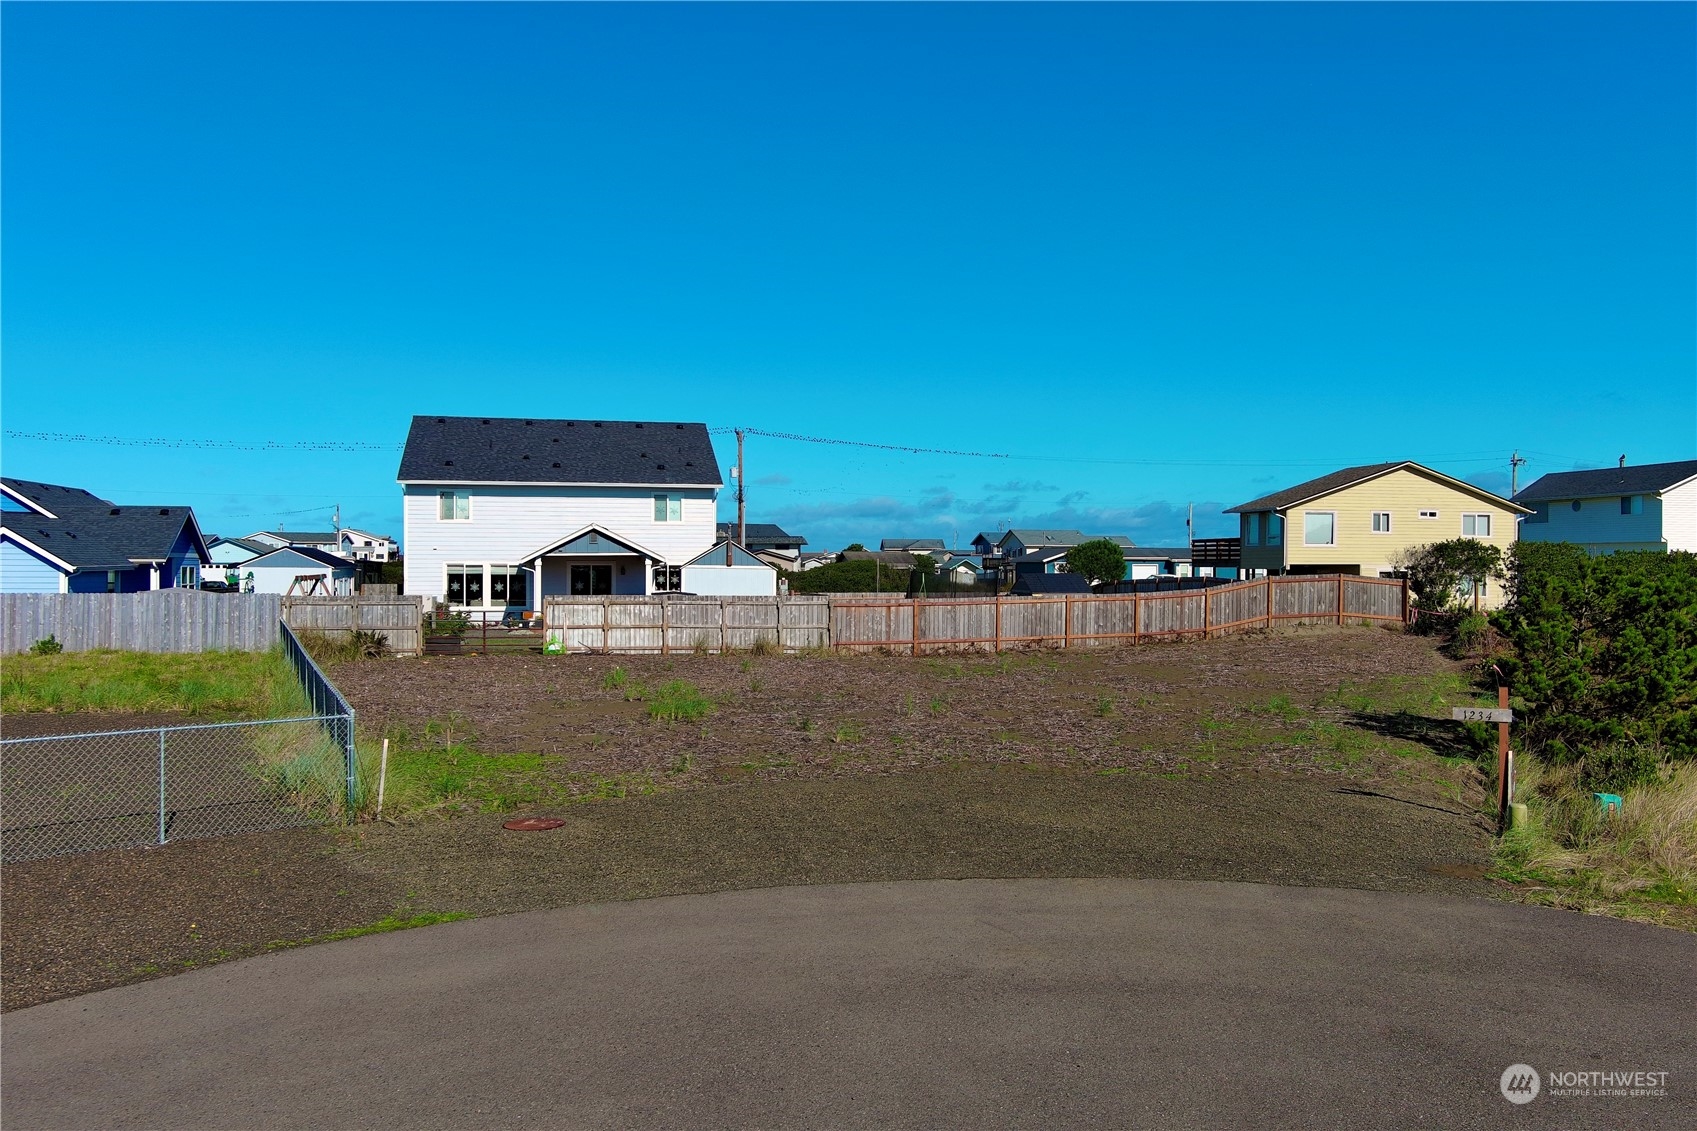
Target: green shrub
(48, 646)
(1098, 561)
(862, 576)
(1604, 655)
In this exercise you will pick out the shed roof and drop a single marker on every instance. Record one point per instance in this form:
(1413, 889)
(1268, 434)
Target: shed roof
(716, 556)
(480, 449)
(317, 557)
(1637, 479)
(1353, 476)
(1033, 584)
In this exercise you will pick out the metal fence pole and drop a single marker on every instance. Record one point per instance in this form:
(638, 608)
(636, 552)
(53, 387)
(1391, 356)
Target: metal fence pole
(161, 785)
(351, 756)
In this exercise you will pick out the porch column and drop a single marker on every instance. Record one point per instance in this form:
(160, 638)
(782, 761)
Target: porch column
(647, 576)
(153, 575)
(537, 580)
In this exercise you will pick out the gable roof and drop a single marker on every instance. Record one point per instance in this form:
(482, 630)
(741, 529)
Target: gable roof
(247, 544)
(307, 552)
(1029, 538)
(1158, 554)
(114, 538)
(912, 545)
(1640, 479)
(716, 556)
(347, 530)
(1354, 476)
(315, 536)
(593, 533)
(51, 498)
(480, 449)
(761, 534)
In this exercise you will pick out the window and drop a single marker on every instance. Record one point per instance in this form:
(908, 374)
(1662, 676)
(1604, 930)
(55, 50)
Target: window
(188, 576)
(668, 508)
(111, 581)
(1475, 526)
(453, 506)
(1381, 522)
(507, 585)
(1252, 525)
(668, 579)
(1275, 529)
(1428, 514)
(465, 585)
(1319, 528)
(1576, 504)
(1632, 504)
(591, 580)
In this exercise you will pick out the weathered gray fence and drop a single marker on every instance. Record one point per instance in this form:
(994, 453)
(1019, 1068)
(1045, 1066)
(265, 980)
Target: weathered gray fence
(399, 619)
(188, 620)
(685, 624)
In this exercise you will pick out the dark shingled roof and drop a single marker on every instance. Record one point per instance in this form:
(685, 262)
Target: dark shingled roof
(1036, 584)
(762, 534)
(106, 538)
(307, 552)
(53, 497)
(1642, 479)
(478, 449)
(1349, 477)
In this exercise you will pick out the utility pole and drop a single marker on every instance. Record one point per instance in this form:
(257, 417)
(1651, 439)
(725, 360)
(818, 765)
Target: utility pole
(1514, 465)
(742, 512)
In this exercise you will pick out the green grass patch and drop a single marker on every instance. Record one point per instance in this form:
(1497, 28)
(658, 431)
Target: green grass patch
(250, 684)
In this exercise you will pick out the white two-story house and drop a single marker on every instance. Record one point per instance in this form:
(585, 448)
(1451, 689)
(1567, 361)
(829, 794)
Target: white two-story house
(1652, 506)
(499, 513)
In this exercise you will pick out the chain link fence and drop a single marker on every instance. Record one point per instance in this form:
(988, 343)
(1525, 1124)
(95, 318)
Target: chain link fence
(119, 789)
(68, 793)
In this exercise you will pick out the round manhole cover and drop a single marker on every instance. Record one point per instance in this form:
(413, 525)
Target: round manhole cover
(533, 824)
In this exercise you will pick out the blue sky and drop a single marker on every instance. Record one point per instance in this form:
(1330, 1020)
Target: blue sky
(1160, 254)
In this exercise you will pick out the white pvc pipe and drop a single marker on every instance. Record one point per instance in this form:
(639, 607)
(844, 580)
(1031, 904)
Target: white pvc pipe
(382, 775)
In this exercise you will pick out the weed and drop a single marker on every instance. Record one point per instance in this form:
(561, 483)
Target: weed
(847, 732)
(764, 646)
(754, 685)
(47, 646)
(1104, 706)
(678, 701)
(807, 726)
(938, 706)
(615, 679)
(747, 666)
(681, 764)
(1279, 706)
(252, 684)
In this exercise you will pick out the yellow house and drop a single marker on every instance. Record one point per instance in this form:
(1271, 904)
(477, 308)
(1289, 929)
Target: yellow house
(1358, 520)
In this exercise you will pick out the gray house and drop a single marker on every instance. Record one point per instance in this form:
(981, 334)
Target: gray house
(1652, 506)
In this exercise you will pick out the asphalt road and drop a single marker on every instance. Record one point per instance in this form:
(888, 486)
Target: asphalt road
(976, 1004)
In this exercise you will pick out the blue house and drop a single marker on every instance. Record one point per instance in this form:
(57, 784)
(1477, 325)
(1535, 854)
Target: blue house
(57, 539)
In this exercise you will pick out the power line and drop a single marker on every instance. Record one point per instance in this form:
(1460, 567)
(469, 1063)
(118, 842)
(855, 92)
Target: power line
(220, 445)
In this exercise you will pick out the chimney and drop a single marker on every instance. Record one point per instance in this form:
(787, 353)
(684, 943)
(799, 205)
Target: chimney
(1623, 460)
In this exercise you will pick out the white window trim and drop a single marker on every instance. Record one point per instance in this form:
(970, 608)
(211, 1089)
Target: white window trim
(1430, 515)
(670, 499)
(1476, 515)
(1334, 516)
(457, 496)
(1375, 522)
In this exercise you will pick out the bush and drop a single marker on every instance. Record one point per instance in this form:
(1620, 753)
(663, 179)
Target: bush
(48, 646)
(1438, 574)
(1100, 561)
(1604, 654)
(862, 576)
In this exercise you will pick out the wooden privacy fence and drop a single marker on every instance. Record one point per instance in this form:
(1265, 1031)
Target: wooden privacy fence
(665, 625)
(188, 620)
(997, 623)
(866, 622)
(399, 619)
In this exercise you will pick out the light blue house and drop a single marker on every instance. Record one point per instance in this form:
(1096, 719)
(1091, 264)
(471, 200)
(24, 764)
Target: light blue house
(56, 539)
(1652, 506)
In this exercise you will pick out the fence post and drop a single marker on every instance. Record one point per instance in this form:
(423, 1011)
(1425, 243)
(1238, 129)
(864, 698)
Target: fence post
(1269, 602)
(998, 622)
(1207, 612)
(1136, 615)
(913, 615)
(1340, 600)
(161, 785)
(350, 756)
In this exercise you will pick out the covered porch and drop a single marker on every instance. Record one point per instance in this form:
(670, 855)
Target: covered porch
(592, 562)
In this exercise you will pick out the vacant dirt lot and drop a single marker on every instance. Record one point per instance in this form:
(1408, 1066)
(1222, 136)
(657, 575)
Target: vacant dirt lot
(1309, 758)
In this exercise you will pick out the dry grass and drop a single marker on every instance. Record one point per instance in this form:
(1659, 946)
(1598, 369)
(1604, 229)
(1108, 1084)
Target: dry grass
(1638, 863)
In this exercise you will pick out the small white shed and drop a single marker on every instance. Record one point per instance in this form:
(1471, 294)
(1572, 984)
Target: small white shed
(746, 576)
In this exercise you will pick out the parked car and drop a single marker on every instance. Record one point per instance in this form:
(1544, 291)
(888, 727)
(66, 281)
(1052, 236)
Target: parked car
(218, 587)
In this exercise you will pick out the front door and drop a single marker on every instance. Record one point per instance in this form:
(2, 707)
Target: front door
(592, 580)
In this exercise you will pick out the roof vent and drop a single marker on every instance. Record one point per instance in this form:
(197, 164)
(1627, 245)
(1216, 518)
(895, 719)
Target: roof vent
(164, 510)
(597, 424)
(447, 463)
(659, 467)
(679, 427)
(556, 463)
(486, 422)
(441, 420)
(689, 463)
(639, 425)
(114, 510)
(571, 424)
(644, 455)
(524, 457)
(529, 423)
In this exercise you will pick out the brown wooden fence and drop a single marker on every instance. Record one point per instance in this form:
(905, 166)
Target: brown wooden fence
(398, 618)
(866, 622)
(994, 624)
